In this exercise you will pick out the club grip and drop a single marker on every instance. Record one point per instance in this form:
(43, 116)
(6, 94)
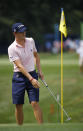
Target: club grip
(45, 83)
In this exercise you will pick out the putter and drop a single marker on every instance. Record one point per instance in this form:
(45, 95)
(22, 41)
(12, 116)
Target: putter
(68, 118)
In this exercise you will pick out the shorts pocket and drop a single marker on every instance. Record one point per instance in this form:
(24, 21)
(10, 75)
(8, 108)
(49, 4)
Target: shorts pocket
(17, 78)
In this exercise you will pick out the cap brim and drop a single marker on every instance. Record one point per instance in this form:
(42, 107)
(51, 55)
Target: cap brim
(22, 29)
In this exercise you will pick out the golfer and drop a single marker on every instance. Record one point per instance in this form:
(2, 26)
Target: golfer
(22, 52)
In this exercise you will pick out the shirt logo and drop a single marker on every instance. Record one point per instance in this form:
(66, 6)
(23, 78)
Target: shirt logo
(17, 75)
(31, 50)
(11, 57)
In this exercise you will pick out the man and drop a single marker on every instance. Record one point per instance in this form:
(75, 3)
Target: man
(80, 53)
(22, 52)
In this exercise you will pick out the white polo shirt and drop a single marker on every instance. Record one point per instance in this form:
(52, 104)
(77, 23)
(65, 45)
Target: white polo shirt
(25, 55)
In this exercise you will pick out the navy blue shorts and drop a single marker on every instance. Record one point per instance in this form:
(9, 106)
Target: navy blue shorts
(20, 84)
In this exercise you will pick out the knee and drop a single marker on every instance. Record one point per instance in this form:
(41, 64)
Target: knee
(34, 105)
(19, 107)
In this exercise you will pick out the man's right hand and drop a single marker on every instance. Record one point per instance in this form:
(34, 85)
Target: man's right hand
(35, 83)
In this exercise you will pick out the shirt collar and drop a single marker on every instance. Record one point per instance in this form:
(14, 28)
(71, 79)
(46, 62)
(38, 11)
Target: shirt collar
(18, 45)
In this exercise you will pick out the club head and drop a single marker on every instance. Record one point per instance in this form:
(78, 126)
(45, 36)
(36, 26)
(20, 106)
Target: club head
(68, 119)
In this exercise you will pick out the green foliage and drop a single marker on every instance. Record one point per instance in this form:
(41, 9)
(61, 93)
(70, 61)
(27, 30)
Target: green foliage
(39, 16)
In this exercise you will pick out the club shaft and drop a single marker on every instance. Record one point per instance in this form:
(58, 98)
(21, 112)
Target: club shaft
(55, 98)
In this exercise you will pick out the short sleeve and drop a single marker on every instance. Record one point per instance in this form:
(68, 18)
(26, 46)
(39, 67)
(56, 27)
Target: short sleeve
(34, 47)
(12, 55)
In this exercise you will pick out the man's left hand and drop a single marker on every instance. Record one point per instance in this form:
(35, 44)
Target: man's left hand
(40, 74)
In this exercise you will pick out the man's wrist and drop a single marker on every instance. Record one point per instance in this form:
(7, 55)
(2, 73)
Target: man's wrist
(31, 79)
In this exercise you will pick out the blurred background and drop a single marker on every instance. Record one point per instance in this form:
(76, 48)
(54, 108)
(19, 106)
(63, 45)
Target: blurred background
(42, 18)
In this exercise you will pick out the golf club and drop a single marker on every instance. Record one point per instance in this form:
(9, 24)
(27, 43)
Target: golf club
(68, 118)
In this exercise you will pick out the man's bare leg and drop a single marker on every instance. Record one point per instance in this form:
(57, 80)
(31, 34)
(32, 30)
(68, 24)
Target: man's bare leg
(37, 112)
(19, 114)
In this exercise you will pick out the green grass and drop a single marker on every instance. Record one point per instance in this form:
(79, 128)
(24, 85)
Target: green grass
(44, 127)
(73, 91)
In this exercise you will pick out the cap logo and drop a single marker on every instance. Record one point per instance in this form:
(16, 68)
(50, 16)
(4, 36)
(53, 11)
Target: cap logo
(20, 26)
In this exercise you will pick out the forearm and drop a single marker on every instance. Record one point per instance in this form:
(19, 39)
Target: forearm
(38, 63)
(23, 70)
(39, 66)
(34, 82)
